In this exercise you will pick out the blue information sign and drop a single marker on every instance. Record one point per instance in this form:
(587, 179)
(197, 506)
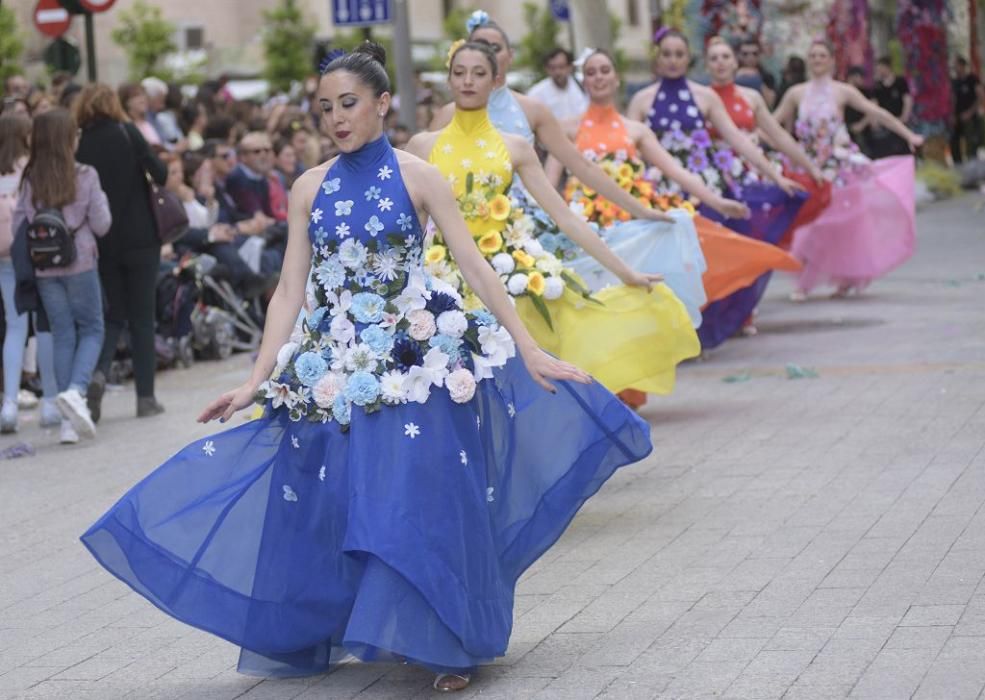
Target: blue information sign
(559, 8)
(353, 13)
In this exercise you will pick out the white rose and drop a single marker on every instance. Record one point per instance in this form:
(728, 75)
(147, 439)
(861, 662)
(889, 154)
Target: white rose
(497, 344)
(417, 385)
(284, 356)
(461, 385)
(534, 247)
(503, 263)
(342, 330)
(553, 288)
(422, 324)
(453, 323)
(517, 284)
(327, 388)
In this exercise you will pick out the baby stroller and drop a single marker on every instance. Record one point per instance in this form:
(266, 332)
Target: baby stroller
(200, 315)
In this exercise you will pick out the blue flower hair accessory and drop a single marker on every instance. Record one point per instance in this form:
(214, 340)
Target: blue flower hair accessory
(329, 57)
(479, 18)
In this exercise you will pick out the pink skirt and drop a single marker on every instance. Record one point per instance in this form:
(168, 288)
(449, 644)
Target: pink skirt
(868, 229)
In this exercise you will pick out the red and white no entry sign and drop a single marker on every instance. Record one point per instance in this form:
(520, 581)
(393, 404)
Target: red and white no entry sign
(97, 5)
(51, 18)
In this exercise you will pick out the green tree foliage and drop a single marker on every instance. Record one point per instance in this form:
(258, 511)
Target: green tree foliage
(11, 43)
(146, 38)
(542, 37)
(287, 44)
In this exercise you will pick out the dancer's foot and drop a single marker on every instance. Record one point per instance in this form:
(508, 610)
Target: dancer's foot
(632, 398)
(749, 330)
(452, 682)
(798, 297)
(844, 291)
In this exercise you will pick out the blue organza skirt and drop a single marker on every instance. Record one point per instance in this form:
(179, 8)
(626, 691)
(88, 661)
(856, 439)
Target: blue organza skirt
(772, 213)
(667, 248)
(402, 537)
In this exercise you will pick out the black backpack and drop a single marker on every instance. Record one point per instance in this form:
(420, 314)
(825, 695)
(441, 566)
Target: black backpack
(50, 242)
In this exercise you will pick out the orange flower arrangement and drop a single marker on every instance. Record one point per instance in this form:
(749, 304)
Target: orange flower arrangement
(631, 176)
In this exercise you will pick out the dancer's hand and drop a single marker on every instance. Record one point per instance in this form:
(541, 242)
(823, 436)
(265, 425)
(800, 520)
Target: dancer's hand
(226, 405)
(916, 141)
(543, 367)
(789, 186)
(817, 176)
(731, 209)
(632, 278)
(658, 215)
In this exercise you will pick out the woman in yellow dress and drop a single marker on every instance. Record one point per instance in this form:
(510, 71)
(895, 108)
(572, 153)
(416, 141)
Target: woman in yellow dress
(627, 336)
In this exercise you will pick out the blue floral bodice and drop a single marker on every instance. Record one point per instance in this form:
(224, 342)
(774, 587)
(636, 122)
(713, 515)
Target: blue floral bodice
(381, 331)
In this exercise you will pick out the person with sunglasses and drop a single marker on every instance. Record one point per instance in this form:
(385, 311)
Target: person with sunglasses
(751, 73)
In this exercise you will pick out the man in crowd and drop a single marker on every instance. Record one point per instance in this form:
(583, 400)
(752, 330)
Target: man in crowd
(751, 72)
(969, 97)
(559, 90)
(16, 86)
(892, 93)
(858, 124)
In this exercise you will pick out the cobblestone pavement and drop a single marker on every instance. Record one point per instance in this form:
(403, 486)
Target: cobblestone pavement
(798, 538)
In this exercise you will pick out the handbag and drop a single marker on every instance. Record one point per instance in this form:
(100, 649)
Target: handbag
(170, 217)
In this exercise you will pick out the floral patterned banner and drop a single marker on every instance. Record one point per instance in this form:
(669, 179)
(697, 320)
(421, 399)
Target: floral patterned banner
(848, 32)
(922, 31)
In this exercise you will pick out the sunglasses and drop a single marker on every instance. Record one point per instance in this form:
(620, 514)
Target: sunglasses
(258, 151)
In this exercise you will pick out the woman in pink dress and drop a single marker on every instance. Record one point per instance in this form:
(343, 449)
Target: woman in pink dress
(869, 228)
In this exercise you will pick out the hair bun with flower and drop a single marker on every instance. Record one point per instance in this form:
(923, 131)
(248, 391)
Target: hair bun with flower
(329, 57)
(479, 18)
(455, 46)
(660, 34)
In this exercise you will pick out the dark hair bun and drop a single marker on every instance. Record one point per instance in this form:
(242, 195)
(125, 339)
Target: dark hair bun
(373, 50)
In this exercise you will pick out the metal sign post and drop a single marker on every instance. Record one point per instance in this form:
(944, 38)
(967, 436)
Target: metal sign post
(406, 84)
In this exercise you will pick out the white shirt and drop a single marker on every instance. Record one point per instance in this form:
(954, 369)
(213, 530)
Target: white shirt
(569, 103)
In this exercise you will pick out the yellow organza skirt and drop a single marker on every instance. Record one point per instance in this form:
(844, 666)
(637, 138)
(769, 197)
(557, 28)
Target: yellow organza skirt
(633, 339)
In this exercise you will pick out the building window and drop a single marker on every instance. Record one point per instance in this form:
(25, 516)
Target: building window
(191, 38)
(633, 13)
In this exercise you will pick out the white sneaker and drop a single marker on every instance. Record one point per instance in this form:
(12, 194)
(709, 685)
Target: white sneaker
(26, 399)
(8, 417)
(73, 406)
(51, 417)
(68, 436)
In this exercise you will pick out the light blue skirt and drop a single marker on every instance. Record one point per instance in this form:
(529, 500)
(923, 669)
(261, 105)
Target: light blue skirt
(670, 249)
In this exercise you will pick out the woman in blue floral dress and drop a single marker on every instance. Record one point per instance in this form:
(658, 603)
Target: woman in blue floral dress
(407, 468)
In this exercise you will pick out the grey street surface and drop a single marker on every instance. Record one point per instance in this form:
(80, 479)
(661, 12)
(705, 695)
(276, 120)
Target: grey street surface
(809, 537)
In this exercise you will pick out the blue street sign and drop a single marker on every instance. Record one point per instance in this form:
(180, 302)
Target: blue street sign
(356, 13)
(559, 8)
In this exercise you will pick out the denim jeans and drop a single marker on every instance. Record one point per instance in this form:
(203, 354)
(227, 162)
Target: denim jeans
(16, 338)
(74, 305)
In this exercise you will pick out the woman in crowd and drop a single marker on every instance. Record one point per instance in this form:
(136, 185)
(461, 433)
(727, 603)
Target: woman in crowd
(287, 167)
(680, 113)
(133, 98)
(15, 137)
(870, 226)
(130, 254)
(188, 181)
(635, 338)
(71, 295)
(408, 467)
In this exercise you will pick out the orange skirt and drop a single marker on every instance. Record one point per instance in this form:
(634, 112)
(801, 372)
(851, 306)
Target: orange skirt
(736, 261)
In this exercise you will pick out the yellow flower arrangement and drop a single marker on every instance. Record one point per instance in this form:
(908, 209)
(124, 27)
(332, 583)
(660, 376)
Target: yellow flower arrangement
(490, 242)
(435, 254)
(523, 258)
(536, 283)
(499, 207)
(626, 171)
